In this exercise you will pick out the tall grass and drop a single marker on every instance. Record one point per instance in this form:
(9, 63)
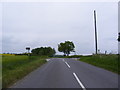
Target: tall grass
(109, 62)
(16, 67)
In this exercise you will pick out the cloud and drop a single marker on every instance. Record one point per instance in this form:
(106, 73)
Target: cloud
(47, 24)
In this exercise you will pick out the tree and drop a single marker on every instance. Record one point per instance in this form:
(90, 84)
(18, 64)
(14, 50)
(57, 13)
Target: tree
(66, 47)
(46, 51)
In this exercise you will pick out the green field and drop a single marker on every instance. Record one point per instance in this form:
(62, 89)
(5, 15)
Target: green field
(16, 67)
(109, 62)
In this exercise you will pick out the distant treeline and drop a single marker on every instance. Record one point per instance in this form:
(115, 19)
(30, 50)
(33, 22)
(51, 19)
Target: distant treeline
(72, 56)
(42, 51)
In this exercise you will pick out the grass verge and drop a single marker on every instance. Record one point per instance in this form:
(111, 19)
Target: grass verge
(108, 62)
(16, 67)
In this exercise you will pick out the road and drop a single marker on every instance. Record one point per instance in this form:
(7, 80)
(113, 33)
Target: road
(68, 73)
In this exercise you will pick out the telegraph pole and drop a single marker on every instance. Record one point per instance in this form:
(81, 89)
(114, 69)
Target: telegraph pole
(95, 32)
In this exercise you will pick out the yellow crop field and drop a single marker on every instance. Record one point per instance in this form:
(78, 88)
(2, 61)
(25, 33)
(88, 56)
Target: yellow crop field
(7, 54)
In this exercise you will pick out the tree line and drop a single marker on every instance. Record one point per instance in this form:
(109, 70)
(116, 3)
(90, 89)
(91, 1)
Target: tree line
(66, 47)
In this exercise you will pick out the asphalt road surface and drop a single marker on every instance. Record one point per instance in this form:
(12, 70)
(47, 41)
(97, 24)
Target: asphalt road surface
(68, 73)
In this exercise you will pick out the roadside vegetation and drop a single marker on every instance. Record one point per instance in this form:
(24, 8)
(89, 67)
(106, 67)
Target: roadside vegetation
(109, 62)
(15, 67)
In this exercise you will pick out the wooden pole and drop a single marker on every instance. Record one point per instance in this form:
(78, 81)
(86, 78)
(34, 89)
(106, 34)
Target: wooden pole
(95, 32)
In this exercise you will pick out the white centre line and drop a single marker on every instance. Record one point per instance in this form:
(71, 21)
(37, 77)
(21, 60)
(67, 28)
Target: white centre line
(67, 64)
(79, 82)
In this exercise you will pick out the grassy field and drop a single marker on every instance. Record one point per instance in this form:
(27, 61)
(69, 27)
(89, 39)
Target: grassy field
(16, 67)
(109, 62)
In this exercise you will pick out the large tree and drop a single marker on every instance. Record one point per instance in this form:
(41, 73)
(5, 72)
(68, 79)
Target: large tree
(66, 47)
(46, 51)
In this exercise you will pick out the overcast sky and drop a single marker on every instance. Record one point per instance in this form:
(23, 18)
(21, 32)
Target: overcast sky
(49, 23)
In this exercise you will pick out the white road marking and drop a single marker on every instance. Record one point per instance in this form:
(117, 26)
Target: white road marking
(63, 60)
(67, 64)
(79, 82)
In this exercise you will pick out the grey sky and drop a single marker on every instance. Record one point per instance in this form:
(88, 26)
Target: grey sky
(0, 28)
(47, 24)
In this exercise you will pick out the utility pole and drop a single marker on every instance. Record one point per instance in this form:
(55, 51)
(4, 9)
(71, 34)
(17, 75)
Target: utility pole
(95, 32)
(119, 37)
